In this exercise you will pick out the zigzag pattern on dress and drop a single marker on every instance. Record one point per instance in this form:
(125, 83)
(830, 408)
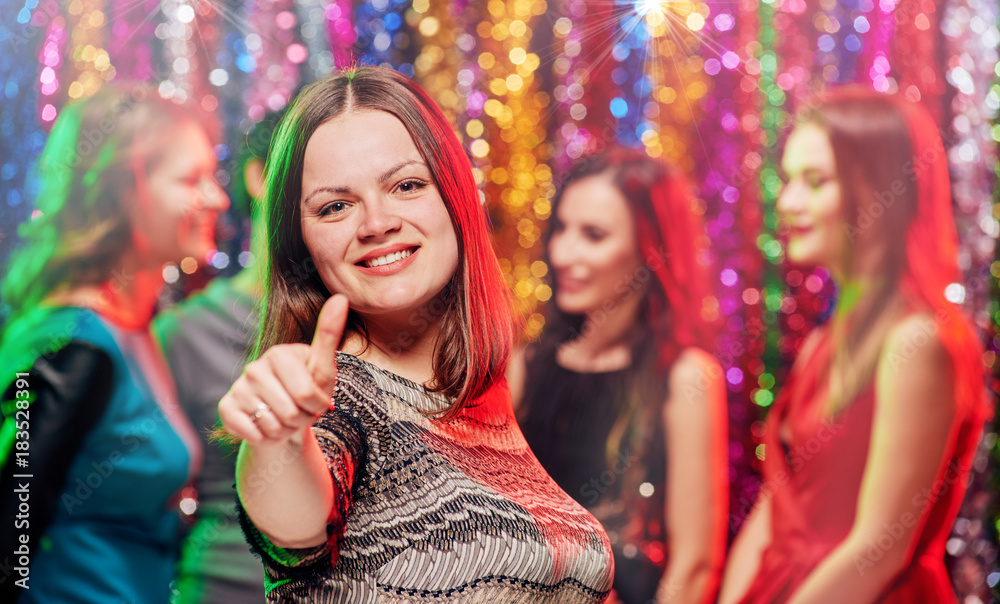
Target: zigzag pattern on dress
(432, 511)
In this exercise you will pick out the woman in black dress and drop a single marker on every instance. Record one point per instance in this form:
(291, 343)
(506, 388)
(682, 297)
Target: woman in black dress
(620, 399)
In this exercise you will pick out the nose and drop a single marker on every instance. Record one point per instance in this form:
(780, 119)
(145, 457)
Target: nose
(790, 200)
(560, 251)
(213, 197)
(379, 219)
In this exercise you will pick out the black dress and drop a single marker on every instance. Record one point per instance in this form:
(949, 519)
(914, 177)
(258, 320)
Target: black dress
(567, 418)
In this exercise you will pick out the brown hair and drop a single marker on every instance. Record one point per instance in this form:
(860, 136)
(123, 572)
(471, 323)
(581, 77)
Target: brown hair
(671, 241)
(476, 336)
(87, 174)
(878, 178)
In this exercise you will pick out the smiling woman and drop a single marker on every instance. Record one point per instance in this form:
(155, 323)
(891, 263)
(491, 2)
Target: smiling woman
(620, 398)
(888, 396)
(382, 231)
(413, 483)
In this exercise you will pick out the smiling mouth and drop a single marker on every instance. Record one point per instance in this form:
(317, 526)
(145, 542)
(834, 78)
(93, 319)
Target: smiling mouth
(388, 258)
(571, 285)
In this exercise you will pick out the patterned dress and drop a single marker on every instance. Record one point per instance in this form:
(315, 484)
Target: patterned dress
(454, 511)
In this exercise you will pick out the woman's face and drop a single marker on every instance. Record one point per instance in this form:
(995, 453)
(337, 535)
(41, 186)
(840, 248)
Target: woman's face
(372, 217)
(594, 250)
(179, 203)
(810, 204)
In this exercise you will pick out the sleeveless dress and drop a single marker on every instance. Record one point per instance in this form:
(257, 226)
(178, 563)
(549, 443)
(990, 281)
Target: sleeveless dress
(111, 526)
(435, 511)
(566, 417)
(816, 478)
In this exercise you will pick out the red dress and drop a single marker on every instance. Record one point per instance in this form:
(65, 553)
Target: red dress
(815, 480)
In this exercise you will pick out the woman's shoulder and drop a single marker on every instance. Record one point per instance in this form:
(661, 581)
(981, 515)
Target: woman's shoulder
(377, 387)
(915, 342)
(694, 364)
(46, 330)
(694, 374)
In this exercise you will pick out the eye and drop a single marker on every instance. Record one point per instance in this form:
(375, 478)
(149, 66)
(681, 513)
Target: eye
(594, 234)
(333, 208)
(816, 180)
(411, 186)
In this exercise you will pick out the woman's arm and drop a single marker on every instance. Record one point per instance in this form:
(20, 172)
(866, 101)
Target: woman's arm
(913, 431)
(756, 534)
(744, 558)
(282, 476)
(71, 390)
(695, 422)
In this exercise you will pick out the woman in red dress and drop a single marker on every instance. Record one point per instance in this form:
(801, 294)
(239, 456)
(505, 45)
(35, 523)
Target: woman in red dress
(869, 446)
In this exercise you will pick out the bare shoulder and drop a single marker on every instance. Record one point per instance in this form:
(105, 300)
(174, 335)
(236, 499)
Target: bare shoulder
(915, 371)
(696, 376)
(914, 345)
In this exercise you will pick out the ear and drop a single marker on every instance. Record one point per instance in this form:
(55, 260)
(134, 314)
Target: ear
(253, 177)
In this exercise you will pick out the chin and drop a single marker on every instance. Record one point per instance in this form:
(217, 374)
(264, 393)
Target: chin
(573, 305)
(798, 254)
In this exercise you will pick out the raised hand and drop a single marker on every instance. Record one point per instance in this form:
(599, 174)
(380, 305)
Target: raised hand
(289, 386)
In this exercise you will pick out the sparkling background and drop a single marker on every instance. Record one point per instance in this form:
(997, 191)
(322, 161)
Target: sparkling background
(532, 85)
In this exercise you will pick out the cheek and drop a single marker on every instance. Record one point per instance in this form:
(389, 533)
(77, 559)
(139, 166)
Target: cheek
(324, 244)
(828, 214)
(827, 206)
(172, 204)
(617, 262)
(440, 222)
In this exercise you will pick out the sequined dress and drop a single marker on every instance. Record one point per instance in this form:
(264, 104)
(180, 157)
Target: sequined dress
(453, 511)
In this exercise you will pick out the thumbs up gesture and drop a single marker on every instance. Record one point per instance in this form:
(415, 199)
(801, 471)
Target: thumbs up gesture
(289, 386)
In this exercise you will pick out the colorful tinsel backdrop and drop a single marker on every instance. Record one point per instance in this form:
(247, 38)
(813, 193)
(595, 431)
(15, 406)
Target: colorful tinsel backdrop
(532, 85)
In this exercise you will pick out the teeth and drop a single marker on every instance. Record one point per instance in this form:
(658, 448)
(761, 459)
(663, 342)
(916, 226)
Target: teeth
(388, 258)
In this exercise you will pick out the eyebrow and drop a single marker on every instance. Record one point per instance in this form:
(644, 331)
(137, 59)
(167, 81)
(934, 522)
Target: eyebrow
(388, 173)
(381, 179)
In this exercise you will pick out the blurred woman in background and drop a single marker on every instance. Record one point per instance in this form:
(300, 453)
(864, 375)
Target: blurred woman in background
(621, 399)
(869, 445)
(91, 418)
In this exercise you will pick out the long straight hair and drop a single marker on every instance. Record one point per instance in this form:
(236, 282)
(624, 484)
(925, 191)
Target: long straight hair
(476, 335)
(897, 210)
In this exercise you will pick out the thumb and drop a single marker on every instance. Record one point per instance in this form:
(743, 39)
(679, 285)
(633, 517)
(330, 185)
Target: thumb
(322, 361)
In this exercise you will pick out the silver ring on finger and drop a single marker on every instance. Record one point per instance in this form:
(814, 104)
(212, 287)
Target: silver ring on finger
(259, 410)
